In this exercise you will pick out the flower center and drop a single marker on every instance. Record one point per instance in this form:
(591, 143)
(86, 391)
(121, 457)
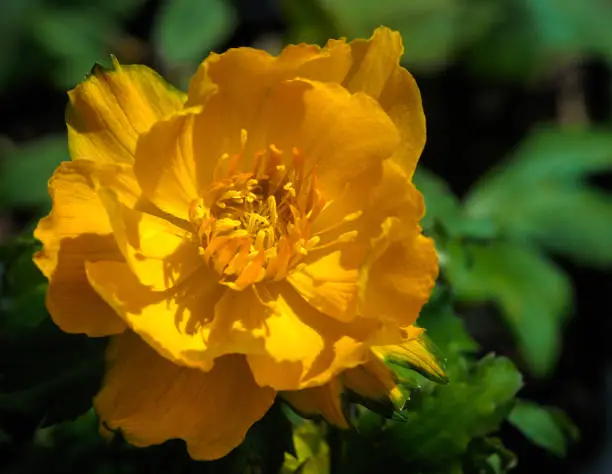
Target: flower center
(256, 225)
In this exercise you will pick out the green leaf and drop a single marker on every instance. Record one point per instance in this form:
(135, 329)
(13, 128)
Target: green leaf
(186, 30)
(308, 21)
(444, 216)
(488, 455)
(433, 31)
(532, 293)
(269, 440)
(26, 170)
(542, 194)
(442, 425)
(76, 38)
(538, 38)
(541, 426)
(449, 334)
(441, 204)
(35, 383)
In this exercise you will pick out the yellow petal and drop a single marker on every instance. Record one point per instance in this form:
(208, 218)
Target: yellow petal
(112, 108)
(244, 76)
(75, 232)
(328, 285)
(151, 400)
(325, 401)
(175, 159)
(159, 253)
(303, 347)
(169, 321)
(376, 70)
(239, 325)
(374, 61)
(374, 380)
(398, 279)
(414, 353)
(339, 134)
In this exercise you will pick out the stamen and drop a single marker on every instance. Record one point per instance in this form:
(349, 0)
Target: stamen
(257, 224)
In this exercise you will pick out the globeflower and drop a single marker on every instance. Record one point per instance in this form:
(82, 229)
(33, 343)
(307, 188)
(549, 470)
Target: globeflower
(255, 238)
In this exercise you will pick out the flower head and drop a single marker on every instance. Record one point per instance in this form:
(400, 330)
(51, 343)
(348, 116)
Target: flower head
(257, 236)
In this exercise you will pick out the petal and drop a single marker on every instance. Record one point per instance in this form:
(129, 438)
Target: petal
(398, 278)
(303, 347)
(239, 325)
(329, 285)
(112, 108)
(244, 76)
(376, 71)
(176, 159)
(374, 381)
(374, 61)
(415, 353)
(151, 400)
(324, 400)
(339, 134)
(168, 321)
(75, 232)
(158, 252)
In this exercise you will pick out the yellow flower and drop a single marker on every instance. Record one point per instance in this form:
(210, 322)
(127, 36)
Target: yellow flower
(256, 236)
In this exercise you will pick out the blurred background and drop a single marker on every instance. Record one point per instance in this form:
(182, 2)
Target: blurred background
(516, 171)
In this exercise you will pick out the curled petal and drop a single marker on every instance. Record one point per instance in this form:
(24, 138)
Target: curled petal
(303, 347)
(112, 108)
(244, 76)
(376, 70)
(75, 232)
(400, 274)
(159, 253)
(325, 401)
(329, 285)
(339, 134)
(375, 381)
(150, 400)
(170, 321)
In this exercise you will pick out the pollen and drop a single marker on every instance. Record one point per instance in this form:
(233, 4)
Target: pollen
(255, 225)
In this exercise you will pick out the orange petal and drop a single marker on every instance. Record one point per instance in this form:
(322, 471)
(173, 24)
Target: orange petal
(151, 400)
(399, 278)
(244, 76)
(239, 325)
(374, 380)
(325, 400)
(329, 285)
(304, 348)
(171, 321)
(376, 70)
(166, 164)
(341, 135)
(112, 108)
(75, 232)
(159, 253)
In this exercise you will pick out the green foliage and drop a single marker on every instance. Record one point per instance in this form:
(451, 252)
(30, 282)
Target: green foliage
(186, 30)
(39, 364)
(445, 428)
(25, 171)
(542, 194)
(545, 427)
(507, 39)
(492, 246)
(533, 294)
